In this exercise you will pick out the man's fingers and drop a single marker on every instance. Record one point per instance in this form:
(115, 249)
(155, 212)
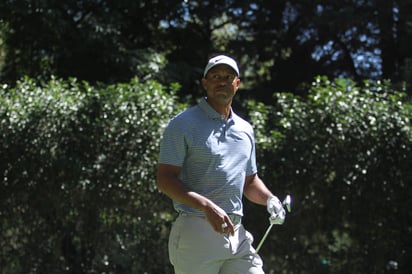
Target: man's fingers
(230, 227)
(224, 226)
(219, 220)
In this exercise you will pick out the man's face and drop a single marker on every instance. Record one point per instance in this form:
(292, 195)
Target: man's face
(221, 84)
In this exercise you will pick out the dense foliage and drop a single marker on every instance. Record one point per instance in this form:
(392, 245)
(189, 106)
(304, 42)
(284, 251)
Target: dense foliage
(345, 154)
(77, 193)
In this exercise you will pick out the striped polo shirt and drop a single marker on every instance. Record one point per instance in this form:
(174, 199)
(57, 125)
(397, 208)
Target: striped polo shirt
(214, 154)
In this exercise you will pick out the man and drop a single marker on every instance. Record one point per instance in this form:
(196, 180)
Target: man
(207, 163)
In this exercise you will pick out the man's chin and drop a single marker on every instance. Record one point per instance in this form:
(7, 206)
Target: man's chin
(223, 100)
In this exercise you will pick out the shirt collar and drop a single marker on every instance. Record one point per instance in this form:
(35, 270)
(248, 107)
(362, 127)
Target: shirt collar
(211, 112)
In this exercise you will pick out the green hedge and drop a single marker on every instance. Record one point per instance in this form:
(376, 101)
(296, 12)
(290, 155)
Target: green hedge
(78, 186)
(78, 178)
(345, 154)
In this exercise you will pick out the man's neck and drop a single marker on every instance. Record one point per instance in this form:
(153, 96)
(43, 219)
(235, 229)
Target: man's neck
(223, 110)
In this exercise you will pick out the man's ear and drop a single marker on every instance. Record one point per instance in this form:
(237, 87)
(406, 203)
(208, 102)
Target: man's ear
(237, 83)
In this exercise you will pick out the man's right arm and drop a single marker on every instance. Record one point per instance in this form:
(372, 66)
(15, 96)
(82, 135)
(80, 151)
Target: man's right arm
(169, 183)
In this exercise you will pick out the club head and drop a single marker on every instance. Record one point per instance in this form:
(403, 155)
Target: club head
(287, 202)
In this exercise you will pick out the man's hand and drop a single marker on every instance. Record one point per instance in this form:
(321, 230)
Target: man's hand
(276, 211)
(218, 219)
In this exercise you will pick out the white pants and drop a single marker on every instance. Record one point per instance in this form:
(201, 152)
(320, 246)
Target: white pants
(195, 248)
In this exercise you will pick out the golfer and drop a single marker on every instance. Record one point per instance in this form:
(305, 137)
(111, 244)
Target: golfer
(207, 163)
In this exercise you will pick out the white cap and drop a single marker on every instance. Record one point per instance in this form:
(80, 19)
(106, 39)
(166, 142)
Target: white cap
(221, 60)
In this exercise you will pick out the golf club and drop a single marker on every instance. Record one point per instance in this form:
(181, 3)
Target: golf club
(286, 203)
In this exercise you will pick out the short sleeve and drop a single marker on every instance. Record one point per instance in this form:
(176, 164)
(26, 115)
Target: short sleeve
(252, 165)
(173, 145)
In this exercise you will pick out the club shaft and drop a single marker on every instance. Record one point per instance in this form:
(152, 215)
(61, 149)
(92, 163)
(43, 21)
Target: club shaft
(264, 238)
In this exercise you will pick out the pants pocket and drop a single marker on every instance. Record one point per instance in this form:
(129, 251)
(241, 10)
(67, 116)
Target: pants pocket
(249, 237)
(174, 240)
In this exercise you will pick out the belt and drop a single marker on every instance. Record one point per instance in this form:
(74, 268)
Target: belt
(236, 219)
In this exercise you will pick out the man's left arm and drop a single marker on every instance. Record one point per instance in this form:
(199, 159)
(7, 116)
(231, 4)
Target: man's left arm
(255, 190)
